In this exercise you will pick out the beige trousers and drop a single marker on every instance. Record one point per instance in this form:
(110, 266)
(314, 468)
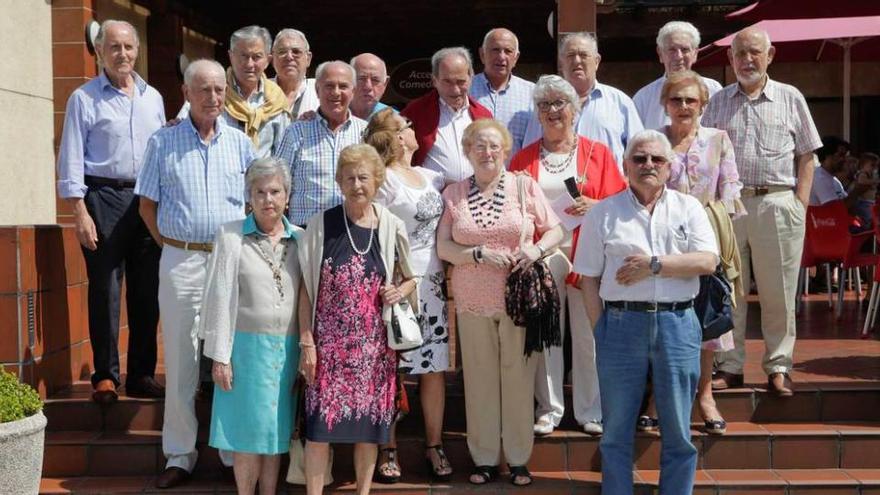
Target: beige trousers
(498, 389)
(771, 236)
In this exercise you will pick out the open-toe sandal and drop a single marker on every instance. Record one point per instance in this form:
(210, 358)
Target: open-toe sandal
(715, 426)
(441, 471)
(484, 474)
(389, 465)
(520, 472)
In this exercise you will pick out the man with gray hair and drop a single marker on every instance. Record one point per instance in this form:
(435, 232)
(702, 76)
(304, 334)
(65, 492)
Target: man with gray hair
(191, 183)
(291, 58)
(106, 127)
(773, 138)
(372, 80)
(440, 116)
(607, 114)
(312, 146)
(508, 97)
(677, 45)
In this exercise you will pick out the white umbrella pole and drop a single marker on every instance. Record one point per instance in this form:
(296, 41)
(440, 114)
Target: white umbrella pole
(847, 76)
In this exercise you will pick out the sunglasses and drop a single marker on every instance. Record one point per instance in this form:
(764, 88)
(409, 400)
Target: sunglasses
(678, 101)
(643, 159)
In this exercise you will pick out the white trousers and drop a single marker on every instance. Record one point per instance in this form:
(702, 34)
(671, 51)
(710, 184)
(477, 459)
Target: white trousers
(182, 277)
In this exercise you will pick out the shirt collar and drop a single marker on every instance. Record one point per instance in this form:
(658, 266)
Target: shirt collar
(139, 82)
(218, 127)
(250, 228)
(257, 94)
(638, 205)
(489, 87)
(769, 90)
(445, 106)
(323, 120)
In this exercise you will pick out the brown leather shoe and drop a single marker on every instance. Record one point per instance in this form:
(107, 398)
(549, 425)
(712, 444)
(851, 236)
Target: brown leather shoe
(722, 380)
(779, 384)
(105, 392)
(145, 387)
(172, 477)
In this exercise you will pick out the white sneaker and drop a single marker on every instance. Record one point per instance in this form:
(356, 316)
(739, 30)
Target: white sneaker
(593, 428)
(543, 427)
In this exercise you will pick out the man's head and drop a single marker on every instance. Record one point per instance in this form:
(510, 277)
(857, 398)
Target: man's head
(646, 161)
(290, 54)
(335, 87)
(204, 87)
(750, 54)
(451, 73)
(579, 59)
(117, 48)
(372, 79)
(249, 53)
(833, 153)
(677, 44)
(499, 54)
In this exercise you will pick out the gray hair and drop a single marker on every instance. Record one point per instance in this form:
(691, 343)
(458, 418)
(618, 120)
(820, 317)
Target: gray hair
(762, 33)
(590, 38)
(248, 33)
(292, 33)
(353, 61)
(675, 27)
(495, 30)
(552, 83)
(201, 64)
(648, 136)
(442, 53)
(319, 72)
(99, 40)
(270, 166)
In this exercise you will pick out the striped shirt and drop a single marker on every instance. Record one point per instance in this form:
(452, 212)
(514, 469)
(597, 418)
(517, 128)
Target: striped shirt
(512, 106)
(651, 111)
(198, 186)
(311, 149)
(768, 132)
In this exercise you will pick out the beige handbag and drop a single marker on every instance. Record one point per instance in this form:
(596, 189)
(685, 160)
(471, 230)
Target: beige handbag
(296, 472)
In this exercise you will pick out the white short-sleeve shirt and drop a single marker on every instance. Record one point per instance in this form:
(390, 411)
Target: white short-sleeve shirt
(825, 188)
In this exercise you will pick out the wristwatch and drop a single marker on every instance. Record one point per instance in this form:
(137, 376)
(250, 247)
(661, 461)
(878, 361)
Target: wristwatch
(656, 266)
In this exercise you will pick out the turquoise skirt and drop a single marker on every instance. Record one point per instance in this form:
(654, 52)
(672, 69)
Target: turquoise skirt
(256, 416)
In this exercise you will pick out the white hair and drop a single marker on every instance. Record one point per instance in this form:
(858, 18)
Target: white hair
(589, 38)
(270, 166)
(458, 51)
(319, 72)
(675, 27)
(99, 40)
(760, 32)
(648, 136)
(292, 33)
(381, 62)
(505, 30)
(248, 33)
(200, 65)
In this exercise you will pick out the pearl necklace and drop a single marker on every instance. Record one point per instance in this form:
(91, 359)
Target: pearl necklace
(351, 239)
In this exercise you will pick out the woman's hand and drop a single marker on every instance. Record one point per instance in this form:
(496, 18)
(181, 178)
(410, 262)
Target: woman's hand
(222, 375)
(308, 362)
(391, 294)
(526, 256)
(497, 258)
(581, 206)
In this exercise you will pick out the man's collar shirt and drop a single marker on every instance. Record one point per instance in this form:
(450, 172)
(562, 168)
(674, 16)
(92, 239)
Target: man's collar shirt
(447, 155)
(512, 105)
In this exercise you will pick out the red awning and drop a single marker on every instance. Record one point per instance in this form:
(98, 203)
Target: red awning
(804, 9)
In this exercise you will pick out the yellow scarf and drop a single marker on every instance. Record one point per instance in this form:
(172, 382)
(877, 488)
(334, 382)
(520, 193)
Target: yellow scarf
(254, 118)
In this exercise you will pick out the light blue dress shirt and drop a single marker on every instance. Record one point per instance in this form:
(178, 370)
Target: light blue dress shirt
(198, 186)
(311, 149)
(609, 116)
(512, 106)
(106, 132)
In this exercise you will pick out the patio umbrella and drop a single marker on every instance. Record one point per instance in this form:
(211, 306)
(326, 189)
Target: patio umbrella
(803, 9)
(826, 39)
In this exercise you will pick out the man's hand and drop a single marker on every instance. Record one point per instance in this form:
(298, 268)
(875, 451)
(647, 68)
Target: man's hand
(309, 115)
(86, 232)
(222, 375)
(635, 268)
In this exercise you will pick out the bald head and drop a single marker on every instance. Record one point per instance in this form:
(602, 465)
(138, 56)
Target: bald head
(371, 82)
(499, 54)
(117, 47)
(750, 54)
(204, 87)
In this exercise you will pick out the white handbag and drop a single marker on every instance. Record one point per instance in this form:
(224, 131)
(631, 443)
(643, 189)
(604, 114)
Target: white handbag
(404, 331)
(296, 472)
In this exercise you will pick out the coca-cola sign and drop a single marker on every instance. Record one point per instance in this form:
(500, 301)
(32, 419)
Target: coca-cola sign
(412, 78)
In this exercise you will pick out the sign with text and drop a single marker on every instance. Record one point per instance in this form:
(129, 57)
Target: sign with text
(412, 78)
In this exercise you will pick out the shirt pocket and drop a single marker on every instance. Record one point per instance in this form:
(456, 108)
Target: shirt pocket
(774, 139)
(235, 187)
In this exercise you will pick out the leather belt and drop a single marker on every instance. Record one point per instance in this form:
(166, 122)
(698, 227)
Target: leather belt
(649, 307)
(93, 180)
(763, 190)
(188, 246)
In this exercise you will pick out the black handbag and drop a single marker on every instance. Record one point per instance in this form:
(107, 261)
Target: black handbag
(714, 304)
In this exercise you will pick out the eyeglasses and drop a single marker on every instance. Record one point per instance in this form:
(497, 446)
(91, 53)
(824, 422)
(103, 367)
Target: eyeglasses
(295, 52)
(407, 124)
(643, 159)
(483, 148)
(552, 106)
(678, 101)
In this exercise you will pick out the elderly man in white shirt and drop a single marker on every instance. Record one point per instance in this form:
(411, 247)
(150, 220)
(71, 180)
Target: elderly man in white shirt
(677, 44)
(291, 58)
(642, 252)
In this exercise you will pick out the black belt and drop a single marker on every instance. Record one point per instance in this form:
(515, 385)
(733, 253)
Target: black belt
(92, 180)
(650, 307)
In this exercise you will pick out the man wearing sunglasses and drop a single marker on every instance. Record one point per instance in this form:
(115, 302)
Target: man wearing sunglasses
(641, 254)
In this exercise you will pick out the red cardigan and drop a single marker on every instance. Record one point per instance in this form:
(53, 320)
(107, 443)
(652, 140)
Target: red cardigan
(424, 112)
(603, 176)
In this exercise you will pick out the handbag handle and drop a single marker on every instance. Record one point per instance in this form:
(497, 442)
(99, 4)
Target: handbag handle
(521, 195)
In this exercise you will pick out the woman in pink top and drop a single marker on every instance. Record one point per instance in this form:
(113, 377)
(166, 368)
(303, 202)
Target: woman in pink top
(479, 234)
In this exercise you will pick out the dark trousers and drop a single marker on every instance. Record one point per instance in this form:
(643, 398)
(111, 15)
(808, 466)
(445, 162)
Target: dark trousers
(124, 247)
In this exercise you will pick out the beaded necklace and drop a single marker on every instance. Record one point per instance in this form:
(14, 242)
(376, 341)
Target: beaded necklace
(486, 217)
(275, 267)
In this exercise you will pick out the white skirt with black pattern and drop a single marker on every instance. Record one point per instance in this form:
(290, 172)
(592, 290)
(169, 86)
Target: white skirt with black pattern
(433, 355)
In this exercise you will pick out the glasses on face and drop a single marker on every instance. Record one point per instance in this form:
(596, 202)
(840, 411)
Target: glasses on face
(643, 159)
(295, 52)
(406, 124)
(551, 106)
(680, 100)
(484, 148)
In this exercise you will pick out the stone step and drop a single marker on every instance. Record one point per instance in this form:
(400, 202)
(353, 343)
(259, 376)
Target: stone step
(846, 445)
(707, 482)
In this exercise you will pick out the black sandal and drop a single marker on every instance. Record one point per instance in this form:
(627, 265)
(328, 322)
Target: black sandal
(390, 464)
(436, 470)
(487, 474)
(520, 472)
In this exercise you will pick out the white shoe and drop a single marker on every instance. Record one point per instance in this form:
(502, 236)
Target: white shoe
(543, 427)
(593, 428)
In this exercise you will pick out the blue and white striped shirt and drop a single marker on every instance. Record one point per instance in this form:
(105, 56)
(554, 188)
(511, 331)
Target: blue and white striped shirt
(198, 186)
(512, 106)
(311, 149)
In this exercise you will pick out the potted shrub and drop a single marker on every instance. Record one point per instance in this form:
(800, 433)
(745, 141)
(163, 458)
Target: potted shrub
(22, 431)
